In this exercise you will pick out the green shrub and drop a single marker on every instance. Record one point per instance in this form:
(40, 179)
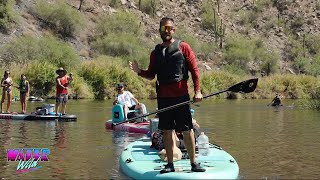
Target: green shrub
(207, 51)
(149, 6)
(268, 60)
(41, 76)
(311, 104)
(262, 4)
(105, 72)
(127, 46)
(20, 51)
(203, 50)
(302, 86)
(7, 15)
(215, 81)
(318, 5)
(185, 35)
(115, 3)
(48, 49)
(271, 22)
(297, 22)
(121, 23)
(207, 15)
(59, 16)
(79, 88)
(312, 42)
(244, 17)
(295, 48)
(120, 35)
(233, 69)
(238, 50)
(301, 64)
(282, 5)
(314, 67)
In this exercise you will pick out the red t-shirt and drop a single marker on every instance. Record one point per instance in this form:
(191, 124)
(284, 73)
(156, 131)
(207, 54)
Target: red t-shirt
(176, 89)
(64, 82)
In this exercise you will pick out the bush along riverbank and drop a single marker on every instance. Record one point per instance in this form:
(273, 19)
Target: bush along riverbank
(98, 78)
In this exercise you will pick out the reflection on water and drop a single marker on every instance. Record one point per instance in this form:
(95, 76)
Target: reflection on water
(121, 140)
(267, 142)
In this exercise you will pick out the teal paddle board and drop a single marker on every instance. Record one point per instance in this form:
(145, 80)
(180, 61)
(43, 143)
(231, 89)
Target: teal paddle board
(139, 161)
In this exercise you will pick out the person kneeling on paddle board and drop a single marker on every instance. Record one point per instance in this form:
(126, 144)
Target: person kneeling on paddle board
(157, 142)
(157, 137)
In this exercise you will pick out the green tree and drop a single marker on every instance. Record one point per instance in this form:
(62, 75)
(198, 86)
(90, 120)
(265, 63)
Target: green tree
(7, 15)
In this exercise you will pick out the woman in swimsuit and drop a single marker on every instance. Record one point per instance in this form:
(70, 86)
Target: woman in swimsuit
(6, 84)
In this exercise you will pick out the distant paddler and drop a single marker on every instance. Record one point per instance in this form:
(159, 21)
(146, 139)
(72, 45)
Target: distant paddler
(276, 101)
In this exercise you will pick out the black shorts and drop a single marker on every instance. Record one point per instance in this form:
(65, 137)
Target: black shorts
(178, 118)
(132, 107)
(62, 98)
(23, 93)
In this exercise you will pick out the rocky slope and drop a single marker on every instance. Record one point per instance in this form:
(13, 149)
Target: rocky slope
(299, 16)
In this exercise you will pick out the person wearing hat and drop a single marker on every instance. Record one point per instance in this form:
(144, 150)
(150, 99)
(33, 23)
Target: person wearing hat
(6, 84)
(62, 82)
(125, 98)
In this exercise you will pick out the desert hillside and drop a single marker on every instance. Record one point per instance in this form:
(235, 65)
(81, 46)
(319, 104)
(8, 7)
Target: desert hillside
(241, 37)
(280, 24)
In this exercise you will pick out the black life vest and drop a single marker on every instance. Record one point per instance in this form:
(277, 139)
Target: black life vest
(23, 86)
(170, 63)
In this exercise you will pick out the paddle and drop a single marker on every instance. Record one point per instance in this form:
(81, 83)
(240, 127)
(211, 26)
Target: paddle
(242, 87)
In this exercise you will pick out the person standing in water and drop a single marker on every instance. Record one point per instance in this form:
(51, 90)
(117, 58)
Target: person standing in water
(6, 84)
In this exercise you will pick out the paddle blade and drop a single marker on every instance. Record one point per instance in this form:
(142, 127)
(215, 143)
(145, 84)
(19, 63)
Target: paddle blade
(245, 86)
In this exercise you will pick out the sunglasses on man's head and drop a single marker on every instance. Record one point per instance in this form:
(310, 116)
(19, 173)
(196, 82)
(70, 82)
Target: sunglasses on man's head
(166, 28)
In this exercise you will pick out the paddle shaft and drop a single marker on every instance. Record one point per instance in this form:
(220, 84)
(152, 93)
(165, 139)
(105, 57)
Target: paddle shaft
(242, 87)
(168, 108)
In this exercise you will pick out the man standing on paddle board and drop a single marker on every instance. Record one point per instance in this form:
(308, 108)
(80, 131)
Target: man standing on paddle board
(171, 61)
(62, 82)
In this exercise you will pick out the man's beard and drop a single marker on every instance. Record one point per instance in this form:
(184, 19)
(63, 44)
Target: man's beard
(166, 38)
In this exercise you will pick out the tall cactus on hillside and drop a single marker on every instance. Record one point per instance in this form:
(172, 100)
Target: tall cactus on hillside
(219, 30)
(218, 4)
(221, 33)
(153, 6)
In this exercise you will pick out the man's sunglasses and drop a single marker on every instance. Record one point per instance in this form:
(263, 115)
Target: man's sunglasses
(166, 28)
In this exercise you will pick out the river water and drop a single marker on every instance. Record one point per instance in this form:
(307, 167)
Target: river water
(267, 142)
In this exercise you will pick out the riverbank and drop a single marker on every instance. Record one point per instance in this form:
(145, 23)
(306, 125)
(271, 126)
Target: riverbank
(97, 79)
